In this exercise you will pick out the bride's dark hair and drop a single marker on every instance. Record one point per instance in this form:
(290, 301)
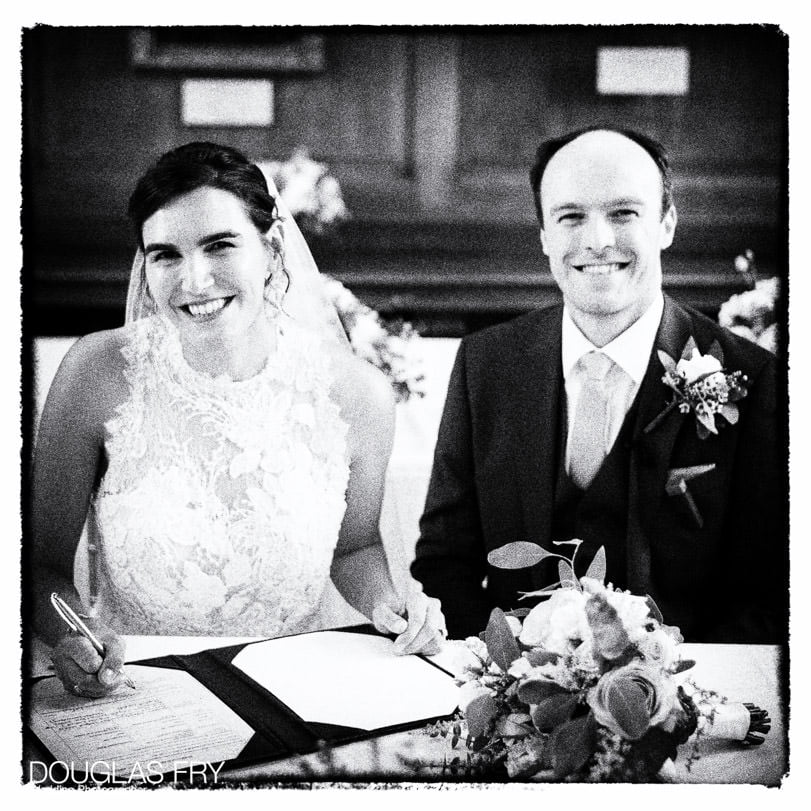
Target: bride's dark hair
(196, 165)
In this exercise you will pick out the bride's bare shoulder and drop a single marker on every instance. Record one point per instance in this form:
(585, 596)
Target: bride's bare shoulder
(91, 374)
(363, 392)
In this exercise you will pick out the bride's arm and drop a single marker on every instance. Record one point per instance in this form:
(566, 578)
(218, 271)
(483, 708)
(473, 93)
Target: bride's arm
(66, 466)
(360, 569)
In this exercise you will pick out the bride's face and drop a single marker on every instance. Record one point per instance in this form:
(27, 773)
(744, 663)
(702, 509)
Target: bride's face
(206, 265)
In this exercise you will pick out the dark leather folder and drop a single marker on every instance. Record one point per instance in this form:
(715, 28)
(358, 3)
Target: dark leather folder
(278, 731)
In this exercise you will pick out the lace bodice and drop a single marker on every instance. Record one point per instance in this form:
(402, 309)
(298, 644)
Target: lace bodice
(221, 504)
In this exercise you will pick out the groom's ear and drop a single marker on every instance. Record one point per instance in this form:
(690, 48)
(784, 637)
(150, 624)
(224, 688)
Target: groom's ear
(543, 242)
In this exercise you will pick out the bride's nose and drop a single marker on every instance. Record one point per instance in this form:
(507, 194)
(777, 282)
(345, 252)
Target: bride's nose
(196, 275)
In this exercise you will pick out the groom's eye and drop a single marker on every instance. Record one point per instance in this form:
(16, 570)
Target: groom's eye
(570, 218)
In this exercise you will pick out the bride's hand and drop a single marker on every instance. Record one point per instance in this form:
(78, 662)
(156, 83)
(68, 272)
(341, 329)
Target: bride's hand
(420, 625)
(81, 670)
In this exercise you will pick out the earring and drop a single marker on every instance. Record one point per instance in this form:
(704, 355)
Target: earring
(274, 291)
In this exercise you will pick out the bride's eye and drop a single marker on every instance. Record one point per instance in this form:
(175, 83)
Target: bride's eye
(220, 246)
(163, 256)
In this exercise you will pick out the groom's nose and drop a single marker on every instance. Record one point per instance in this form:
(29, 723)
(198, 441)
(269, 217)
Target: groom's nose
(597, 233)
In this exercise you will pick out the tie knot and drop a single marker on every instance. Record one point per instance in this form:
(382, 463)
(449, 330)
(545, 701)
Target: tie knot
(595, 365)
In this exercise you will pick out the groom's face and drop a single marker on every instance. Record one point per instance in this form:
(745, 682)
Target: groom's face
(603, 226)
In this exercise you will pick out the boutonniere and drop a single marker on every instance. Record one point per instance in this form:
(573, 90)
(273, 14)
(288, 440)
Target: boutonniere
(701, 384)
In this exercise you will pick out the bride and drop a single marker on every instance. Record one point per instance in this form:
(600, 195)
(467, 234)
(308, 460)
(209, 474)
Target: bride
(227, 447)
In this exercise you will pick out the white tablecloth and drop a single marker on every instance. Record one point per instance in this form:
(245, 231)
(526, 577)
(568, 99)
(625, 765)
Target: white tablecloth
(406, 478)
(738, 672)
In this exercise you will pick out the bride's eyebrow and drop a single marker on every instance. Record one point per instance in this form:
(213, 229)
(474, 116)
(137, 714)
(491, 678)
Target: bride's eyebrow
(159, 246)
(219, 235)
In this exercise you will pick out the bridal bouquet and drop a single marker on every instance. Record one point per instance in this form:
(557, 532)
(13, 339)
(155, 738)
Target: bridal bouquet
(392, 346)
(587, 685)
(751, 314)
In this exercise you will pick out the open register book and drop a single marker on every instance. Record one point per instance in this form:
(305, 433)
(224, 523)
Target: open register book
(246, 703)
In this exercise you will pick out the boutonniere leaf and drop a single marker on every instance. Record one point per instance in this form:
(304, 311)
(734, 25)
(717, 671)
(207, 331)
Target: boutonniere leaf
(701, 386)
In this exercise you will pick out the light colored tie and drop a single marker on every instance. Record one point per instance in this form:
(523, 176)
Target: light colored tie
(587, 442)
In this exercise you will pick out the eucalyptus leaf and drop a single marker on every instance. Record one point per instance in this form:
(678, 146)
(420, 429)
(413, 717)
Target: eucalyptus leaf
(708, 421)
(729, 412)
(567, 576)
(687, 352)
(537, 657)
(609, 637)
(517, 555)
(554, 711)
(716, 351)
(653, 609)
(682, 665)
(572, 744)
(597, 567)
(628, 704)
(500, 640)
(537, 688)
(519, 613)
(479, 713)
(667, 362)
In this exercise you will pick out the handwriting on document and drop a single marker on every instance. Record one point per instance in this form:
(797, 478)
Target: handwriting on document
(171, 717)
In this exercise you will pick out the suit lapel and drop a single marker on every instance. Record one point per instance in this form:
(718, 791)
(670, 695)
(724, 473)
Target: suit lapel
(536, 412)
(652, 448)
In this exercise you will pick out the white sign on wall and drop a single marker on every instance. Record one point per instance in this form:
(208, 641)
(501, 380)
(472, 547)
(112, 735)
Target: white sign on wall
(643, 71)
(227, 102)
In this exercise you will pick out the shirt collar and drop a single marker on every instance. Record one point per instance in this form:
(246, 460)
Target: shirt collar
(629, 350)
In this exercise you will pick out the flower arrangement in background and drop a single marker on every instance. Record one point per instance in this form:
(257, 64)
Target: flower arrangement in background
(392, 346)
(314, 199)
(310, 192)
(751, 314)
(588, 686)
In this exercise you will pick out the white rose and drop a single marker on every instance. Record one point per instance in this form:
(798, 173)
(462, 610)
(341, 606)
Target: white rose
(633, 612)
(660, 648)
(558, 624)
(697, 366)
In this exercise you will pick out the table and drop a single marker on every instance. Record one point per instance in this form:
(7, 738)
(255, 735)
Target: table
(740, 672)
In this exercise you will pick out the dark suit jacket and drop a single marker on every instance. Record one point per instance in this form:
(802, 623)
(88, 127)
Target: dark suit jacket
(493, 482)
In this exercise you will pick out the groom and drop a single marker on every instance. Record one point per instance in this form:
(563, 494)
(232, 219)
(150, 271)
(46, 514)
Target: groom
(550, 428)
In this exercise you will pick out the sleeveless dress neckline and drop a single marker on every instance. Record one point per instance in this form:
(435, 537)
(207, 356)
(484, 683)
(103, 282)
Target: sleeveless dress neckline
(221, 505)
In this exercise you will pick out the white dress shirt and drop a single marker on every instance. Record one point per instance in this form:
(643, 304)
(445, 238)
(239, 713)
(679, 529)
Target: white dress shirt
(630, 351)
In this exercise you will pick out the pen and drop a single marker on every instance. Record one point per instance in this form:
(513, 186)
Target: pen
(75, 623)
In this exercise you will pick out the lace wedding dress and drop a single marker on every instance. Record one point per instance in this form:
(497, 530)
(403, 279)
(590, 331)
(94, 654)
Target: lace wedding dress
(220, 508)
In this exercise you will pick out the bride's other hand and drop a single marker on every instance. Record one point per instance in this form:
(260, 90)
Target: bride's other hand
(82, 671)
(420, 625)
